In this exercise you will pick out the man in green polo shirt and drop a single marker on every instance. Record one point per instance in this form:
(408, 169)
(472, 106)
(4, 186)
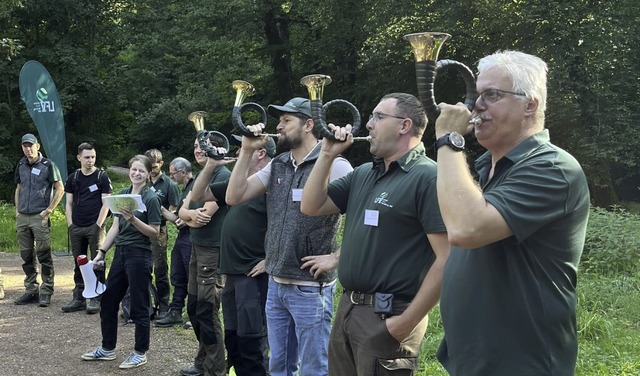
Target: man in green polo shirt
(394, 246)
(508, 296)
(169, 194)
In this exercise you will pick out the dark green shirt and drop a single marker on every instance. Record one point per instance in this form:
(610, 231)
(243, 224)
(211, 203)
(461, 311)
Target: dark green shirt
(209, 234)
(394, 255)
(127, 233)
(168, 192)
(509, 308)
(243, 231)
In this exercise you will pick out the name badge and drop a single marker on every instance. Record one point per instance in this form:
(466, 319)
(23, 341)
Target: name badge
(371, 217)
(153, 189)
(93, 188)
(35, 171)
(296, 194)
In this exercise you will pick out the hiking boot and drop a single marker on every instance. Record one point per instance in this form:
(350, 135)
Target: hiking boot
(191, 371)
(172, 318)
(26, 298)
(45, 300)
(93, 306)
(74, 305)
(99, 354)
(134, 360)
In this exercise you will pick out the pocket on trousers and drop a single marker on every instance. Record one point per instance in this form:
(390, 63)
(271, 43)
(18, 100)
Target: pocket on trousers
(397, 366)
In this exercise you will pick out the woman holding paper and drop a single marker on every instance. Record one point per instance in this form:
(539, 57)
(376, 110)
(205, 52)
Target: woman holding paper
(131, 267)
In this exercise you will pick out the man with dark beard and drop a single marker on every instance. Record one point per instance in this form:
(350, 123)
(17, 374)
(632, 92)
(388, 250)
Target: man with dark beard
(300, 251)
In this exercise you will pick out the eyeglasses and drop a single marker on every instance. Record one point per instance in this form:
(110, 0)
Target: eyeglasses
(377, 116)
(171, 174)
(494, 95)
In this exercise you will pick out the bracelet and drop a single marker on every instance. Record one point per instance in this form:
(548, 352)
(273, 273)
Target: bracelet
(102, 250)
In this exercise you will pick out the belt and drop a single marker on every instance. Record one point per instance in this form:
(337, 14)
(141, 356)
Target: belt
(358, 298)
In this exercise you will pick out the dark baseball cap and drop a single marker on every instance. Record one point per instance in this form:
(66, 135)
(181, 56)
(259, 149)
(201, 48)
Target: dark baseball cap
(295, 105)
(29, 138)
(270, 146)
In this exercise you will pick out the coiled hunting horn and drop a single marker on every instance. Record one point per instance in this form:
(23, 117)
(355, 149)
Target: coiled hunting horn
(426, 47)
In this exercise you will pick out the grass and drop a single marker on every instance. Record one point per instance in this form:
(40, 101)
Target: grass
(608, 293)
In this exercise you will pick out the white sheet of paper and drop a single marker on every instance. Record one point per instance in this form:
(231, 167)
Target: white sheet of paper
(126, 201)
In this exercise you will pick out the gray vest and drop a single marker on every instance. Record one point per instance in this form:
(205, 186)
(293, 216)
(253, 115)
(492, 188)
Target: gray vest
(292, 235)
(35, 189)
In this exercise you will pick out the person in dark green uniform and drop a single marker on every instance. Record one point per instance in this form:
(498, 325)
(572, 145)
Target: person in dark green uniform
(394, 246)
(131, 233)
(169, 195)
(509, 289)
(242, 257)
(205, 281)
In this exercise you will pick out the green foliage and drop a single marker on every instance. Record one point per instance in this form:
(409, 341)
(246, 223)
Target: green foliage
(612, 244)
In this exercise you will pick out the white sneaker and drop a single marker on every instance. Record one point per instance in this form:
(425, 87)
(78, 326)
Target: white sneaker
(99, 354)
(134, 360)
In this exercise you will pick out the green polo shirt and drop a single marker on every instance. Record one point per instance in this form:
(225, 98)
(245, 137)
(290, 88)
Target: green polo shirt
(168, 192)
(388, 216)
(127, 233)
(241, 249)
(209, 234)
(509, 308)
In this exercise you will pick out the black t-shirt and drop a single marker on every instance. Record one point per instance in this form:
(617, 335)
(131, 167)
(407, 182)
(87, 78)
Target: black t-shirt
(243, 231)
(87, 193)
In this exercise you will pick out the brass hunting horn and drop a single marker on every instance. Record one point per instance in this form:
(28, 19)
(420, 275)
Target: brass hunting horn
(244, 90)
(426, 47)
(315, 85)
(204, 136)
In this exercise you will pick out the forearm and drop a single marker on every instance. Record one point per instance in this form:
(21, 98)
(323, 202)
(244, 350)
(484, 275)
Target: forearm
(102, 216)
(59, 189)
(201, 185)
(459, 196)
(69, 210)
(238, 182)
(314, 194)
(111, 235)
(151, 231)
(427, 297)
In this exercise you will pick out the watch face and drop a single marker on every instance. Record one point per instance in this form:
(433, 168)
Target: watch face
(456, 139)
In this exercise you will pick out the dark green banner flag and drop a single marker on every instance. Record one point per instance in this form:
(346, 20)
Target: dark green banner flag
(40, 95)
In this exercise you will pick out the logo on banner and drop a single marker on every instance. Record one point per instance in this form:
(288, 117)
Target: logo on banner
(43, 105)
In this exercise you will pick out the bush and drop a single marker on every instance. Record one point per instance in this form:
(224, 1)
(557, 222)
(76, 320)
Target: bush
(612, 242)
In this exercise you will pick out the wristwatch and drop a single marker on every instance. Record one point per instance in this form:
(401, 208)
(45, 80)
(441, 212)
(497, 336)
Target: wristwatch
(454, 140)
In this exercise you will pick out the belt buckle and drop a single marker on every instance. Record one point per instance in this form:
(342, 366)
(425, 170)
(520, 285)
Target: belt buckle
(359, 301)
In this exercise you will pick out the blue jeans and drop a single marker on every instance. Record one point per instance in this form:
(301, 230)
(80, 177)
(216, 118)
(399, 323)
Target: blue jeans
(299, 323)
(130, 269)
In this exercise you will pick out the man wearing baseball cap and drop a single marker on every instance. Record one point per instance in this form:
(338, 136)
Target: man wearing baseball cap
(36, 178)
(300, 250)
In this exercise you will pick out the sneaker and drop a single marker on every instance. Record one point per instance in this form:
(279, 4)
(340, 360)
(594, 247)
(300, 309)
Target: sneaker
(74, 305)
(172, 318)
(93, 306)
(187, 325)
(26, 298)
(1, 291)
(134, 360)
(45, 300)
(100, 354)
(191, 371)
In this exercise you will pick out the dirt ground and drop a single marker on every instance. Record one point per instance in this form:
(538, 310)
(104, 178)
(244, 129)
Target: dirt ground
(46, 341)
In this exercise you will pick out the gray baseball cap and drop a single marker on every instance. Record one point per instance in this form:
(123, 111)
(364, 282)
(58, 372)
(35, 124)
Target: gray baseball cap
(270, 146)
(295, 105)
(29, 139)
